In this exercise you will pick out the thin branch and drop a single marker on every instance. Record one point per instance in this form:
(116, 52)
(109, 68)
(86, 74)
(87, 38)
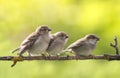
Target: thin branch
(59, 58)
(115, 45)
(97, 57)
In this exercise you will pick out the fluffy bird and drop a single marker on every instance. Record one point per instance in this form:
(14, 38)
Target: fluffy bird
(57, 43)
(84, 46)
(35, 43)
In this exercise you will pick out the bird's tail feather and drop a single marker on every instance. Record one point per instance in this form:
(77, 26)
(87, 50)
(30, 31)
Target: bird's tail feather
(15, 50)
(67, 50)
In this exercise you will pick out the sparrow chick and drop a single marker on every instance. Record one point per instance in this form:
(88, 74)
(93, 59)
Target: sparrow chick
(57, 43)
(84, 46)
(35, 43)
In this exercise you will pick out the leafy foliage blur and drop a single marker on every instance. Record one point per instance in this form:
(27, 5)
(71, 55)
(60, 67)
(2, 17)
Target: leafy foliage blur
(18, 18)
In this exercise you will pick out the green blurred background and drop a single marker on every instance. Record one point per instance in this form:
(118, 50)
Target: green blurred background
(18, 18)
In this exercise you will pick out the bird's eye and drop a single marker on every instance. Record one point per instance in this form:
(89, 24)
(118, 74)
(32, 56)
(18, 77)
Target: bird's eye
(62, 35)
(43, 29)
(91, 37)
(94, 37)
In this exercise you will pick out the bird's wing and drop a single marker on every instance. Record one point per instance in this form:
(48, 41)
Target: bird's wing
(51, 40)
(15, 50)
(30, 40)
(76, 44)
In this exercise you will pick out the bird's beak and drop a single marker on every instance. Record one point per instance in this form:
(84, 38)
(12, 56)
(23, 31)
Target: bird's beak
(49, 29)
(98, 39)
(67, 37)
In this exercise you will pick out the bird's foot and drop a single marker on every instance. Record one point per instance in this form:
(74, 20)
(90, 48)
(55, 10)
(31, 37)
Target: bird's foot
(77, 57)
(58, 55)
(16, 59)
(67, 56)
(43, 55)
(91, 56)
(107, 56)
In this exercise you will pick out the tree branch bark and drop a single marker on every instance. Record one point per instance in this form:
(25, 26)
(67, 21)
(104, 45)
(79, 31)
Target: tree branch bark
(97, 57)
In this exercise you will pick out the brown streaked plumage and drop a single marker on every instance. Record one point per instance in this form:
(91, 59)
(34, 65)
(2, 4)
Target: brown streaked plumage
(84, 46)
(57, 43)
(37, 42)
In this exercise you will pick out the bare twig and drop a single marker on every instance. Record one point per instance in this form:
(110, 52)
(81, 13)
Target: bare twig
(97, 57)
(115, 45)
